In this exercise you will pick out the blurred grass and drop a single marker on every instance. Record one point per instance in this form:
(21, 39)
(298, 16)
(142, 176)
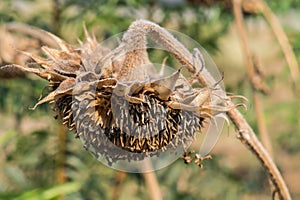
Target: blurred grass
(28, 139)
(45, 194)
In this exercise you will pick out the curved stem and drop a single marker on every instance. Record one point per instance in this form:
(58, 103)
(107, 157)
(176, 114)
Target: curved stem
(248, 138)
(246, 134)
(32, 31)
(282, 40)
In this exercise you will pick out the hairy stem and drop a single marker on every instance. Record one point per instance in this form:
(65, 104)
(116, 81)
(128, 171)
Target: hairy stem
(248, 138)
(246, 134)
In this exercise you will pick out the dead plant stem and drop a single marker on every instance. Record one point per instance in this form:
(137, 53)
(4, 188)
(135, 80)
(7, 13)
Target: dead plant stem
(254, 144)
(152, 185)
(248, 137)
(31, 31)
(120, 177)
(151, 180)
(262, 128)
(246, 134)
(56, 16)
(61, 176)
(282, 40)
(237, 7)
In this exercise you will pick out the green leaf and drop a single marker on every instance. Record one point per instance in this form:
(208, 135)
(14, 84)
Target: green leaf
(50, 193)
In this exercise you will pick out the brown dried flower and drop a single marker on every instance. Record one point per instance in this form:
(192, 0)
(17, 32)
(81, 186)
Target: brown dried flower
(116, 101)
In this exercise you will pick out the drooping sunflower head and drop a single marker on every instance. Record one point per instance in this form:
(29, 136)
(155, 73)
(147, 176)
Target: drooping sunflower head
(117, 102)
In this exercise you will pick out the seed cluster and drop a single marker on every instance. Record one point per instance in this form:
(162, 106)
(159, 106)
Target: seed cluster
(141, 129)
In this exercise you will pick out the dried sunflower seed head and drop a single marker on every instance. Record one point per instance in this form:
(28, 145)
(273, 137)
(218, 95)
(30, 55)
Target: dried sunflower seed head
(117, 103)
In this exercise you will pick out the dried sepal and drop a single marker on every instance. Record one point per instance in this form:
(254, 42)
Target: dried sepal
(64, 88)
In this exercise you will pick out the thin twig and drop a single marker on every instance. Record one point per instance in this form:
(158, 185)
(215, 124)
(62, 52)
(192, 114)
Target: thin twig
(261, 88)
(237, 8)
(56, 16)
(263, 132)
(251, 74)
(120, 177)
(282, 39)
(32, 31)
(61, 176)
(253, 77)
(285, 46)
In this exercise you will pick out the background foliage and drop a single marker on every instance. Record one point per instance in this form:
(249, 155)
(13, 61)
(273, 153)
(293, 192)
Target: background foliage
(39, 159)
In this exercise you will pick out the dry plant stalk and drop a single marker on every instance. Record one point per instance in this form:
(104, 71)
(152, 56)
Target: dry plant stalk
(263, 132)
(83, 87)
(152, 184)
(119, 180)
(16, 37)
(260, 6)
(255, 79)
(276, 180)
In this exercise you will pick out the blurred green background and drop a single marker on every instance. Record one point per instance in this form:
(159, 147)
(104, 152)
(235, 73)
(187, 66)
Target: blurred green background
(40, 159)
